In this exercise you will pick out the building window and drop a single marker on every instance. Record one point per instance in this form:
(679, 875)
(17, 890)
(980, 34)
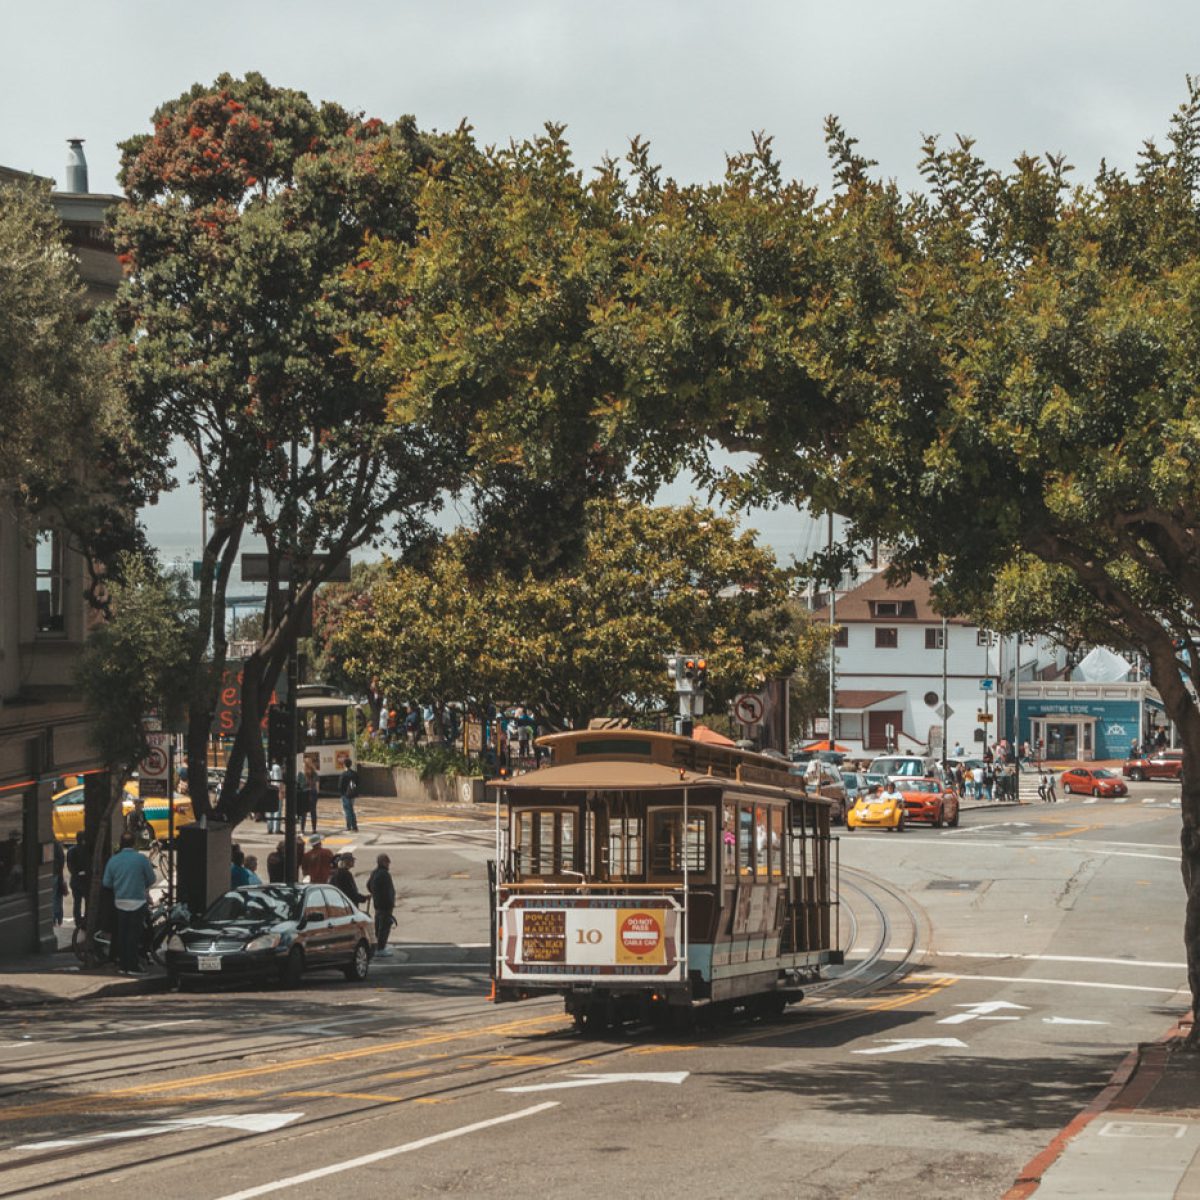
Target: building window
(51, 584)
(15, 875)
(885, 638)
(983, 637)
(841, 636)
(887, 608)
(933, 639)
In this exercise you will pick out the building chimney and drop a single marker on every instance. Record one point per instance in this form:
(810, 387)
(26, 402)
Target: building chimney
(77, 180)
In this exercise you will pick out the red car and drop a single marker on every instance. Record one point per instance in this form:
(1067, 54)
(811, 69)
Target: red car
(1094, 781)
(1162, 764)
(928, 800)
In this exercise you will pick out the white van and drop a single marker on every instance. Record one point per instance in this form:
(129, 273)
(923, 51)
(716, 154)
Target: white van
(892, 766)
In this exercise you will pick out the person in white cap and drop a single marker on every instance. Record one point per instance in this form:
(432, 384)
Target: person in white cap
(318, 862)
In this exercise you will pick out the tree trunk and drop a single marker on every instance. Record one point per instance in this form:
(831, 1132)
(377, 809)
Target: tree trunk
(116, 792)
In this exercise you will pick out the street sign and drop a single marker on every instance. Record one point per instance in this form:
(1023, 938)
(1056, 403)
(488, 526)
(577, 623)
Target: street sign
(983, 717)
(154, 771)
(986, 685)
(255, 568)
(944, 711)
(748, 708)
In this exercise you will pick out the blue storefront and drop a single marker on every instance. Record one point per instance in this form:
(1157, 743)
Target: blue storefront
(1080, 721)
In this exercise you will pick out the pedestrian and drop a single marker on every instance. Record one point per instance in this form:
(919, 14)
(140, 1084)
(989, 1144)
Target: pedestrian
(977, 782)
(276, 863)
(60, 884)
(989, 779)
(238, 875)
(348, 786)
(385, 718)
(136, 824)
(307, 790)
(252, 869)
(343, 879)
(959, 752)
(77, 869)
(382, 891)
(129, 875)
(318, 862)
(1046, 791)
(274, 815)
(412, 724)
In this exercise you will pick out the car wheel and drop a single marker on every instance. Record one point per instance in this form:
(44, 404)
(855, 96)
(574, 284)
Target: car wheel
(1096, 792)
(1067, 789)
(1137, 776)
(292, 970)
(850, 828)
(356, 969)
(953, 822)
(900, 825)
(940, 819)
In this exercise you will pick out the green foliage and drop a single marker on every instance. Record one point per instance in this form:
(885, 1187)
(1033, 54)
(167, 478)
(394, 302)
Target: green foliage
(589, 641)
(135, 663)
(66, 446)
(248, 214)
(428, 760)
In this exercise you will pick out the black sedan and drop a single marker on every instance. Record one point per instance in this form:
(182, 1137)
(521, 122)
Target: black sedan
(276, 929)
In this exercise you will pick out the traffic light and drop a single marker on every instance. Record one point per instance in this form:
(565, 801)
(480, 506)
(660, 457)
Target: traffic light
(674, 666)
(701, 676)
(277, 733)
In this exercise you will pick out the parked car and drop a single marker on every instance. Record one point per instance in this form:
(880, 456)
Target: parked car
(1093, 781)
(824, 779)
(856, 785)
(929, 800)
(274, 930)
(894, 766)
(876, 811)
(1161, 764)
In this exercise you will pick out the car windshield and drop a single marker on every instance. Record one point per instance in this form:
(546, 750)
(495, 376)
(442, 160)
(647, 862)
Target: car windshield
(921, 785)
(256, 904)
(898, 766)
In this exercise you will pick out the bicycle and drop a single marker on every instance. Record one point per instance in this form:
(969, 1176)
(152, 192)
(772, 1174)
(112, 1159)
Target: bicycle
(160, 925)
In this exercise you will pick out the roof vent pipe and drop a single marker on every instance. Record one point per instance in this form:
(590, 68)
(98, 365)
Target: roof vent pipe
(77, 180)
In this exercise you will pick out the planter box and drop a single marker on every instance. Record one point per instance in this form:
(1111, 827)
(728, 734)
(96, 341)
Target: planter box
(406, 784)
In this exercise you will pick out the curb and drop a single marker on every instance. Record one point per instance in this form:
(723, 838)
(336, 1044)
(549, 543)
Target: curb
(1150, 1055)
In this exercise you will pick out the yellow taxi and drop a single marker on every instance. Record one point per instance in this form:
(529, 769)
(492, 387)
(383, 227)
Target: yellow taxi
(68, 811)
(877, 810)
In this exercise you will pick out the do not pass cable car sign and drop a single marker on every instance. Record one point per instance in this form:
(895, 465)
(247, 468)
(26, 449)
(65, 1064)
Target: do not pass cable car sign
(154, 771)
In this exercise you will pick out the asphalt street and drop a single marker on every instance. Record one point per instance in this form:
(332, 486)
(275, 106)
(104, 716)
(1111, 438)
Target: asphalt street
(995, 976)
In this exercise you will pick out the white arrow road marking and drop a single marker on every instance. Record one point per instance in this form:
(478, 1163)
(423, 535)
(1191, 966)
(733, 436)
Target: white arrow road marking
(1121, 800)
(1152, 800)
(895, 1045)
(249, 1122)
(982, 1011)
(578, 1081)
(1071, 1021)
(350, 1164)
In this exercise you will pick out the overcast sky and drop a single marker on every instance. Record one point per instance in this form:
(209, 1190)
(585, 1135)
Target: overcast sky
(695, 77)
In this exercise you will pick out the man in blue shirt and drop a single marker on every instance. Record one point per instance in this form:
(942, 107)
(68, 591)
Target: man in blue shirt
(130, 877)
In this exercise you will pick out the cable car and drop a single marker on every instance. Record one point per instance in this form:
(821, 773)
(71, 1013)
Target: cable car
(644, 872)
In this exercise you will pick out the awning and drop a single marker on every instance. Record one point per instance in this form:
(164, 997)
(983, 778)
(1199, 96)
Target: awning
(711, 737)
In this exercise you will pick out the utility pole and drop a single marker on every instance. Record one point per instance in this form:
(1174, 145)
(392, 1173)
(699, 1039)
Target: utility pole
(291, 868)
(944, 709)
(832, 647)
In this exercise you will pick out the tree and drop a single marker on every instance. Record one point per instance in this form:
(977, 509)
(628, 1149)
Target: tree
(997, 376)
(133, 665)
(66, 451)
(249, 207)
(590, 640)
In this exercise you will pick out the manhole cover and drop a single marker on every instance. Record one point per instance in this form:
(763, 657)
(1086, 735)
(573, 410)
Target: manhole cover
(953, 885)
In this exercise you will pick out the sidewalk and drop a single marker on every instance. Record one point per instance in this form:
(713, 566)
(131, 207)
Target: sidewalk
(1140, 1138)
(59, 978)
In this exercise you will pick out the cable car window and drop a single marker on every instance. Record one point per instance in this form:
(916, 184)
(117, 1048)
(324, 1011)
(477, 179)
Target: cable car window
(671, 847)
(745, 840)
(624, 847)
(545, 842)
(761, 857)
(729, 838)
(777, 841)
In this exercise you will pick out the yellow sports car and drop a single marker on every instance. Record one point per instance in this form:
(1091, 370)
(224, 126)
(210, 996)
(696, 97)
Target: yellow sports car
(68, 812)
(878, 810)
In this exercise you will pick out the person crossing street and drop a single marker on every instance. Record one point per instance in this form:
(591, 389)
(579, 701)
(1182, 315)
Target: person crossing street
(382, 891)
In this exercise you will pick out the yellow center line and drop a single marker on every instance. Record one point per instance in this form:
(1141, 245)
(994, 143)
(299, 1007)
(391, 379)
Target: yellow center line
(138, 1093)
(1041, 837)
(373, 1096)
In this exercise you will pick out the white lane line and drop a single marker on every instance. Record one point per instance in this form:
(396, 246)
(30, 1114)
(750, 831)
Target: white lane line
(930, 976)
(1091, 801)
(379, 1155)
(1075, 847)
(1072, 958)
(1152, 800)
(1121, 800)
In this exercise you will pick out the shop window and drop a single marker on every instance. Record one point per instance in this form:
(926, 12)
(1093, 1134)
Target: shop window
(51, 582)
(15, 876)
(672, 846)
(886, 637)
